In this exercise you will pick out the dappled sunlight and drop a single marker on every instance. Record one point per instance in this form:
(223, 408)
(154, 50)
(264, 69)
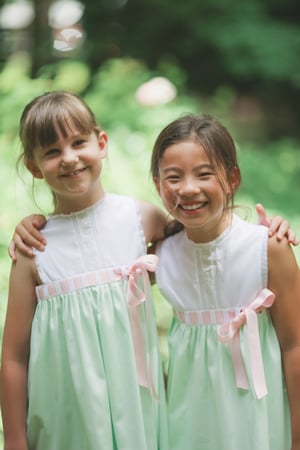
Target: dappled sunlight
(65, 13)
(14, 16)
(157, 91)
(68, 39)
(64, 19)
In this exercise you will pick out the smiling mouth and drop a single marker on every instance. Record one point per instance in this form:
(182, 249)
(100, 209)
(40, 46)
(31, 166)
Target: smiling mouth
(74, 174)
(193, 206)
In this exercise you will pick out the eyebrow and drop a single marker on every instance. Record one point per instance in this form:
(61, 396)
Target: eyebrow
(178, 169)
(69, 136)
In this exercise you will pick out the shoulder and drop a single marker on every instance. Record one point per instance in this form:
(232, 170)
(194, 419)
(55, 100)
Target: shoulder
(282, 262)
(148, 209)
(243, 224)
(23, 277)
(241, 229)
(25, 267)
(154, 221)
(279, 249)
(284, 282)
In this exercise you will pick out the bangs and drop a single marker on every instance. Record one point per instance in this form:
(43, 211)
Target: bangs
(43, 129)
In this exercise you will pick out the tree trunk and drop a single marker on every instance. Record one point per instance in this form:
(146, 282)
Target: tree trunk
(41, 36)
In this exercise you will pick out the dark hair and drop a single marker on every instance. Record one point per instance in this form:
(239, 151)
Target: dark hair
(216, 142)
(50, 113)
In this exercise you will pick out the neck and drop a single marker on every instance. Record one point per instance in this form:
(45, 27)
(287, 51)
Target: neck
(71, 204)
(210, 230)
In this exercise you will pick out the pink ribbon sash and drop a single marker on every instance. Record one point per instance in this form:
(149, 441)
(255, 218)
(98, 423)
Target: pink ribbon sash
(136, 296)
(229, 333)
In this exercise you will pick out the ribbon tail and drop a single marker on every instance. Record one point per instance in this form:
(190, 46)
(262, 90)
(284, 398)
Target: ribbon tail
(256, 361)
(238, 362)
(138, 348)
(136, 296)
(142, 357)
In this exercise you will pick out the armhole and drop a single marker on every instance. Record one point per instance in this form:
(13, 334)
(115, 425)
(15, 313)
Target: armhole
(264, 258)
(140, 228)
(37, 269)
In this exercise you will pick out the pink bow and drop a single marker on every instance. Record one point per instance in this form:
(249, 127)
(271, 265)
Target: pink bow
(136, 296)
(229, 333)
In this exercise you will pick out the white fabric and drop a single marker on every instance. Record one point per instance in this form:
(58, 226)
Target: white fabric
(107, 234)
(208, 272)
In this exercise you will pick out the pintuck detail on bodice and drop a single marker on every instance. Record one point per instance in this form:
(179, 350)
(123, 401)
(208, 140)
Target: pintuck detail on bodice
(207, 281)
(107, 234)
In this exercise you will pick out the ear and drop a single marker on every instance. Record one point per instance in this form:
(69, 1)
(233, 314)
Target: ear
(33, 168)
(235, 178)
(102, 141)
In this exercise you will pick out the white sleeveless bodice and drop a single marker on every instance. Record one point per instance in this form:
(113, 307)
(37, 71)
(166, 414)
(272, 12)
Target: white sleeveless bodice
(225, 273)
(105, 235)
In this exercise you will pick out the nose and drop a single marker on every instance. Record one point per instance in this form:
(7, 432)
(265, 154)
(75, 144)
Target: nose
(189, 186)
(69, 157)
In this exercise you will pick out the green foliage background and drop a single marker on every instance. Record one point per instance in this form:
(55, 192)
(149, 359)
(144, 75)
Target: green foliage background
(270, 170)
(236, 60)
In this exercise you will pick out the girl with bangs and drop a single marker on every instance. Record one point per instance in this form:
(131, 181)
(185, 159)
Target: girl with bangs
(198, 416)
(81, 367)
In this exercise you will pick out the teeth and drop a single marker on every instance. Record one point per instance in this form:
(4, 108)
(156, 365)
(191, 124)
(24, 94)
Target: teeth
(192, 207)
(76, 172)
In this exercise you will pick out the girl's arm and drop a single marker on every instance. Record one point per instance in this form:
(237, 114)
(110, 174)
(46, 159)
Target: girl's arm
(27, 234)
(284, 281)
(15, 353)
(154, 221)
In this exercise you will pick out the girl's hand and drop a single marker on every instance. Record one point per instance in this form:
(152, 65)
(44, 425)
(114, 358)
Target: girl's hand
(277, 225)
(27, 235)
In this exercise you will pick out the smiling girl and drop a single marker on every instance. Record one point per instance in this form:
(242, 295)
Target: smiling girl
(81, 368)
(208, 271)
(234, 372)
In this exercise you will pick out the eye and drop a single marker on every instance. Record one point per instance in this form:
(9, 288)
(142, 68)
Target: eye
(206, 174)
(172, 178)
(79, 142)
(50, 152)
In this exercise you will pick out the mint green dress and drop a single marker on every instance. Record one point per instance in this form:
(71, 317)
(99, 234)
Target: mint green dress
(95, 375)
(213, 404)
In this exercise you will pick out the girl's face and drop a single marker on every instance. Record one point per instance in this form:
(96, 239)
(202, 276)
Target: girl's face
(191, 191)
(71, 167)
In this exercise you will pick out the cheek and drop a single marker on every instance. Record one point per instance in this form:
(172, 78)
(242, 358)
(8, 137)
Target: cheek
(168, 194)
(49, 169)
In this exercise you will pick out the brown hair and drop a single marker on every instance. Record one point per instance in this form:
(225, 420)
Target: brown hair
(50, 113)
(216, 142)
(46, 116)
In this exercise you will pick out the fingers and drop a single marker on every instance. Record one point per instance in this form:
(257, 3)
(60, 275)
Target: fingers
(18, 244)
(292, 238)
(27, 237)
(12, 251)
(262, 215)
(37, 220)
(282, 229)
(278, 226)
